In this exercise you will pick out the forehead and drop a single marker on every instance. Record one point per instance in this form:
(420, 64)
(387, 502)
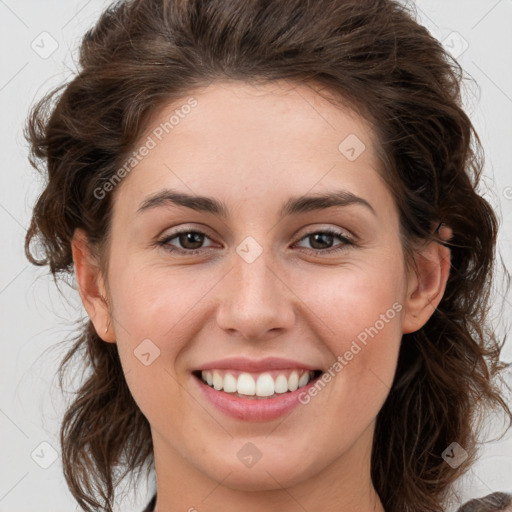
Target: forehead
(252, 140)
(259, 112)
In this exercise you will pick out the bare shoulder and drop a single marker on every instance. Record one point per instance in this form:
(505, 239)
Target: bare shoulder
(495, 502)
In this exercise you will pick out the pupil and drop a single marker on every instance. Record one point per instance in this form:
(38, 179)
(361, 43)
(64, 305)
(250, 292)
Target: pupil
(324, 238)
(191, 238)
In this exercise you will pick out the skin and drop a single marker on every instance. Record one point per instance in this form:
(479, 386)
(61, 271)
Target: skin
(254, 148)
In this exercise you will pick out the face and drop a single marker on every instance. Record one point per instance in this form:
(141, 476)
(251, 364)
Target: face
(255, 246)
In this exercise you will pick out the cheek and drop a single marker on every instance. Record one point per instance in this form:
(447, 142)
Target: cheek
(145, 308)
(360, 311)
(155, 311)
(157, 302)
(355, 298)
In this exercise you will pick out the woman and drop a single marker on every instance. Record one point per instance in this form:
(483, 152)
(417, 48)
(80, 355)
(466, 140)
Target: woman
(271, 212)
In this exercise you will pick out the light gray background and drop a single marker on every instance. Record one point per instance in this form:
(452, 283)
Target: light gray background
(34, 317)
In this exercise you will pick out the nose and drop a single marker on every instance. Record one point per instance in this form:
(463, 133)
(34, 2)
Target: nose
(256, 303)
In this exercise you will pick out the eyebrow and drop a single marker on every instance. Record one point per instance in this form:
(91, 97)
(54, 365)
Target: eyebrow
(293, 206)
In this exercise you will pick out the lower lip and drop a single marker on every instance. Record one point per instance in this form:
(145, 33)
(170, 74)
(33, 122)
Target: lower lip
(253, 409)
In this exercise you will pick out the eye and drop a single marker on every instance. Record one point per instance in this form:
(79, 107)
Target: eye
(322, 241)
(191, 241)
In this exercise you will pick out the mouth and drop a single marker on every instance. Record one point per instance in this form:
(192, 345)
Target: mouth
(266, 385)
(254, 390)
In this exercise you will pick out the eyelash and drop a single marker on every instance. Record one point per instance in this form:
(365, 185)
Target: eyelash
(346, 241)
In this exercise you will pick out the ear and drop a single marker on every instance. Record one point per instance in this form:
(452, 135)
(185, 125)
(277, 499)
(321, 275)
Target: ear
(91, 286)
(427, 282)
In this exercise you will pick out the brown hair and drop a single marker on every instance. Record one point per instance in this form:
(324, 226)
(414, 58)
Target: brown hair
(369, 54)
(492, 503)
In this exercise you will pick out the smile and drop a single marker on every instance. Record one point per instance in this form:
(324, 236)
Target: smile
(254, 391)
(262, 385)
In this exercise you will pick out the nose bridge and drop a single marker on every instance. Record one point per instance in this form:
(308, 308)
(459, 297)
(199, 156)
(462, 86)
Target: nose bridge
(256, 281)
(254, 300)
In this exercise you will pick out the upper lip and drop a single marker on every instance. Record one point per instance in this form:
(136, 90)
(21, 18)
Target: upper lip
(254, 365)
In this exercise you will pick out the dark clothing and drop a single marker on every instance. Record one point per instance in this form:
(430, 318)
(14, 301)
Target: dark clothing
(151, 505)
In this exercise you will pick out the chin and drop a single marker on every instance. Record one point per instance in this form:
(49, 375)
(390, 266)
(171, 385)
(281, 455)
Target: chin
(272, 471)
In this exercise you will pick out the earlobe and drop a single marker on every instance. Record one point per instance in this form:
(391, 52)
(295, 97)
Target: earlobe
(91, 286)
(427, 283)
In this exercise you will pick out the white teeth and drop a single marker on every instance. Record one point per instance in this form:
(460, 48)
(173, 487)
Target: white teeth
(304, 379)
(263, 386)
(293, 381)
(230, 383)
(246, 384)
(281, 384)
(218, 381)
